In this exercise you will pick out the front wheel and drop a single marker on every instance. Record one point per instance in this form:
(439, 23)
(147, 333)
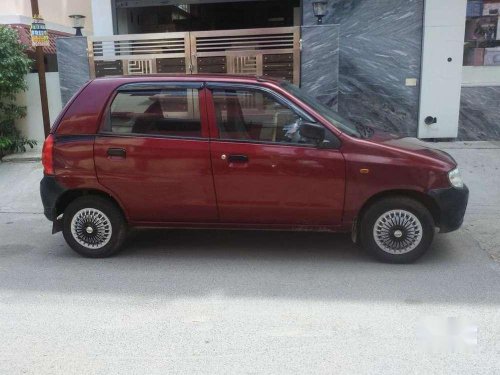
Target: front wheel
(397, 230)
(94, 226)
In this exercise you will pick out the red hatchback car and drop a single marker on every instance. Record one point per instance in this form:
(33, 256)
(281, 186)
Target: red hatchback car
(238, 152)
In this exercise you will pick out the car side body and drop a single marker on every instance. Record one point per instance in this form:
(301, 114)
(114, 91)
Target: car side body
(199, 180)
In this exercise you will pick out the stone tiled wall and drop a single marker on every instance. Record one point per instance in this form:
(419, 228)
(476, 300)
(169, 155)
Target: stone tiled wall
(320, 55)
(73, 65)
(479, 113)
(379, 47)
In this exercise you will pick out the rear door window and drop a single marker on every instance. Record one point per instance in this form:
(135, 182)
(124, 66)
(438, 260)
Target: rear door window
(159, 112)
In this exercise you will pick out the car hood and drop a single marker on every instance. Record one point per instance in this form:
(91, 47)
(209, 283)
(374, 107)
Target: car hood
(414, 146)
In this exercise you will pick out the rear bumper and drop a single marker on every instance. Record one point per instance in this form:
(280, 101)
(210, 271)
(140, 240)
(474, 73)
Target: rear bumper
(50, 191)
(452, 204)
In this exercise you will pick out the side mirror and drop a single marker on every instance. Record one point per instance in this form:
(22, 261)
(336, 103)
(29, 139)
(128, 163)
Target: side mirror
(312, 131)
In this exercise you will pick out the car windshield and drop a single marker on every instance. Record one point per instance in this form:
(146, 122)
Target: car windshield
(328, 113)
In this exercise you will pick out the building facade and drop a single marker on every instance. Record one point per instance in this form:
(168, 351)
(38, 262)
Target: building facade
(426, 68)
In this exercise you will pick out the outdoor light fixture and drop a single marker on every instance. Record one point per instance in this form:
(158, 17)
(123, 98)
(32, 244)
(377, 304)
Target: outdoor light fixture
(319, 9)
(78, 22)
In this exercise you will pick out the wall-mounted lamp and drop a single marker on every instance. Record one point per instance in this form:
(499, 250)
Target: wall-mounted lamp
(319, 9)
(78, 22)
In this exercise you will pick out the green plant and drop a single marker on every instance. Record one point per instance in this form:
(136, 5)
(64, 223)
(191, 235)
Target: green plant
(14, 65)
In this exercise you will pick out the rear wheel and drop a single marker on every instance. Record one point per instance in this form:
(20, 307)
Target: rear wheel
(94, 227)
(397, 230)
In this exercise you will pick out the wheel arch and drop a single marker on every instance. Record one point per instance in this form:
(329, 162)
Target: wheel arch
(70, 195)
(420, 197)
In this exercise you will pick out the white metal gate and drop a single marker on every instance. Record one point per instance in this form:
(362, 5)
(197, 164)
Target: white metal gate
(273, 52)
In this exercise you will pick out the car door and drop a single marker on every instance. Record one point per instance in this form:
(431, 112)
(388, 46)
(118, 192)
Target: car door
(264, 172)
(153, 153)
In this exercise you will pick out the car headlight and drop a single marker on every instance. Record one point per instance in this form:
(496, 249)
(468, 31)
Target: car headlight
(455, 178)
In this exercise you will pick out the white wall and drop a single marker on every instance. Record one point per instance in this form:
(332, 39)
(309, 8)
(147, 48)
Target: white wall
(473, 76)
(31, 126)
(102, 17)
(25, 20)
(55, 12)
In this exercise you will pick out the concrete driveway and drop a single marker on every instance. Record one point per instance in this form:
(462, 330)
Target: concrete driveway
(248, 302)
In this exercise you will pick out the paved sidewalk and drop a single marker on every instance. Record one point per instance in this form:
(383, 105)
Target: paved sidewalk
(226, 302)
(479, 163)
(466, 145)
(34, 154)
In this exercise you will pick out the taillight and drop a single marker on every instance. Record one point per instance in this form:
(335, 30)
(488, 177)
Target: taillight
(47, 155)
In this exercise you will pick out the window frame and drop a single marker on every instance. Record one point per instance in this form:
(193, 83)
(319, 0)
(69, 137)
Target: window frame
(105, 128)
(211, 86)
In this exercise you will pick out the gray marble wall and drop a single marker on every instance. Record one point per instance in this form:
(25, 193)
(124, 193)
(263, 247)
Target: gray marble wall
(479, 114)
(73, 65)
(380, 46)
(320, 54)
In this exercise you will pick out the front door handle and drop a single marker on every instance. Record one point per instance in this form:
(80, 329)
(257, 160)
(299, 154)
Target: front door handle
(117, 152)
(237, 159)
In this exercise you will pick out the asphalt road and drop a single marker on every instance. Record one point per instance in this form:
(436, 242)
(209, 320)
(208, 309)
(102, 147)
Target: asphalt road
(225, 302)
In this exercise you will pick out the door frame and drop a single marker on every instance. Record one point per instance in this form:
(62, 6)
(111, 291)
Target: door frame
(215, 140)
(105, 135)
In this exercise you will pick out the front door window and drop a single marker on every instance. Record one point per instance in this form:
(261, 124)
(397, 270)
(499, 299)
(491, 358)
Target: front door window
(254, 115)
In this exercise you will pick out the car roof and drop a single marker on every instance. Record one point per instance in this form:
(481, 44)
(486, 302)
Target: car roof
(194, 77)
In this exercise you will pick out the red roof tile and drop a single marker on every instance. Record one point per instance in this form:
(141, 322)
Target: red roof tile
(25, 38)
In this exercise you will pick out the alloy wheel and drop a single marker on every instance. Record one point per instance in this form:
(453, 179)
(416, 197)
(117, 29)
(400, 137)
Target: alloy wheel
(91, 228)
(397, 232)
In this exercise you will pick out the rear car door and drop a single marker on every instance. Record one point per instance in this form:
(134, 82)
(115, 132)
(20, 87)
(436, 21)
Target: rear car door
(264, 172)
(153, 153)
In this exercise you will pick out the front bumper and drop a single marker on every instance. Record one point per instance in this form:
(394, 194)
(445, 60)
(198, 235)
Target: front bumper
(50, 191)
(452, 204)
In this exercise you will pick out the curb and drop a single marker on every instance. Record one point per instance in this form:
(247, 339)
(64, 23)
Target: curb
(22, 157)
(22, 160)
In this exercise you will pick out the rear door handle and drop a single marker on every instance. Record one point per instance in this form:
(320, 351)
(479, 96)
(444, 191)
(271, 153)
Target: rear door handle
(117, 152)
(237, 159)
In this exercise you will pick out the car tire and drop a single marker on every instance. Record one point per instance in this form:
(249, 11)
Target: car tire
(94, 227)
(397, 229)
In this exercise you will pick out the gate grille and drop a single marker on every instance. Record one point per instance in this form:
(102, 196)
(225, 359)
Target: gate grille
(139, 54)
(264, 52)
